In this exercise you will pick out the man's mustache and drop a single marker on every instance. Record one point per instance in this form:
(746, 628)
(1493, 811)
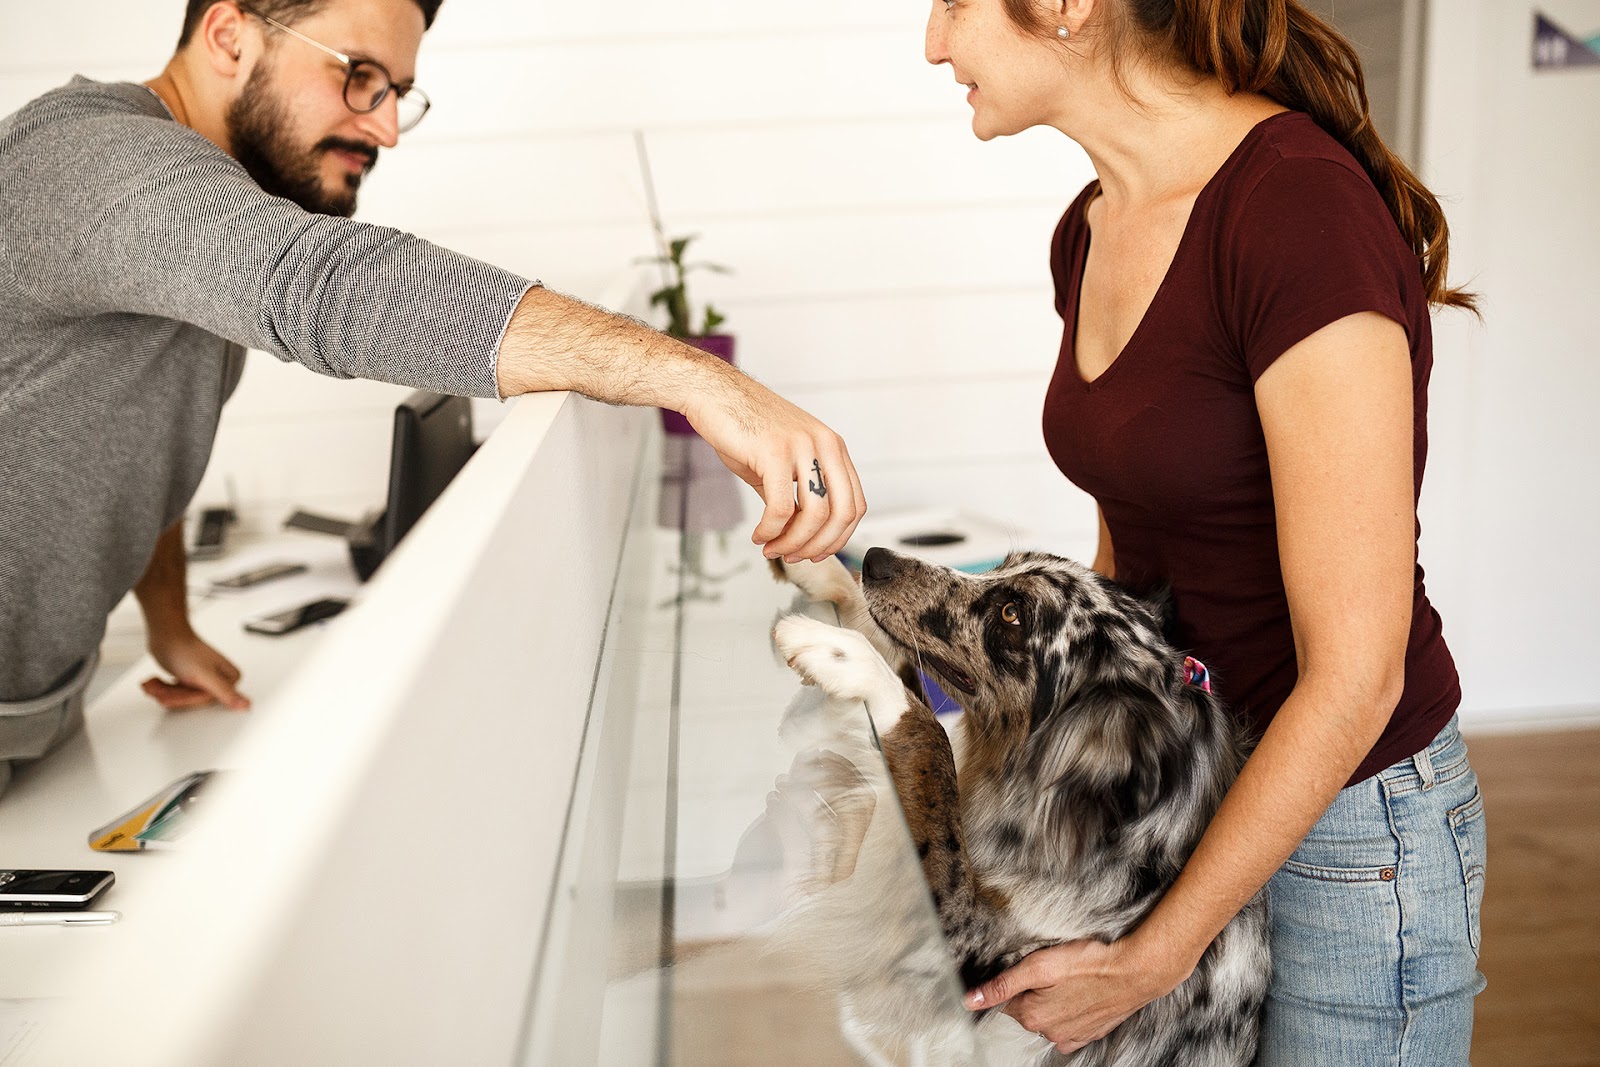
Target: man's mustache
(328, 144)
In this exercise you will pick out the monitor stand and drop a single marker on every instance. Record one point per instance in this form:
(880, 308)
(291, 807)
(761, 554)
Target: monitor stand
(365, 536)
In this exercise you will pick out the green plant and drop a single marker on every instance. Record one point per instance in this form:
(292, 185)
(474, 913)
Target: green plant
(674, 295)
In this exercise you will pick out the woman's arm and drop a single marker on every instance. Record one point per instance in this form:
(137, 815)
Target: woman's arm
(1105, 557)
(1337, 413)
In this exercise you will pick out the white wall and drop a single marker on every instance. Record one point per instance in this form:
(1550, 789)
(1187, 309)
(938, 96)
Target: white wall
(892, 272)
(1511, 513)
(892, 275)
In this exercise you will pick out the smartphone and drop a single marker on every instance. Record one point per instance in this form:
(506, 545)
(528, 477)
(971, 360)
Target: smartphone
(210, 531)
(51, 890)
(259, 575)
(285, 622)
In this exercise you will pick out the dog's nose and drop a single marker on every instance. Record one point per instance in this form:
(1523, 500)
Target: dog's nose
(877, 565)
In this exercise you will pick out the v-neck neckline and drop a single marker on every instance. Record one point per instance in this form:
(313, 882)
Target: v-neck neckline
(1082, 261)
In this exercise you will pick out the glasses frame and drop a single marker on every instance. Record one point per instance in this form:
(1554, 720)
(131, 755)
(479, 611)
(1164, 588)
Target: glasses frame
(350, 65)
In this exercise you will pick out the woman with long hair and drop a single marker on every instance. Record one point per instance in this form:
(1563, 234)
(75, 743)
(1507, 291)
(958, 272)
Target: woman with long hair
(1242, 387)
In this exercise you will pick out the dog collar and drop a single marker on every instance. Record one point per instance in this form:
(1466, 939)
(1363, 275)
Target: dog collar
(1195, 673)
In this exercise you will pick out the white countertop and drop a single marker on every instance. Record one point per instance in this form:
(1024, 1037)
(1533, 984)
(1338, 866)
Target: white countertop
(130, 748)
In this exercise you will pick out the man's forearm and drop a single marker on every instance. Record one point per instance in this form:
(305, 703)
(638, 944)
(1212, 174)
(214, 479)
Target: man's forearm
(556, 342)
(163, 591)
(810, 490)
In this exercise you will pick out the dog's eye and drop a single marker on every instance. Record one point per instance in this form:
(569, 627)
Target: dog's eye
(1011, 614)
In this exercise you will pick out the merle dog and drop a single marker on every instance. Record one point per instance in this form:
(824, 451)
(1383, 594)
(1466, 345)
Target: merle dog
(1084, 770)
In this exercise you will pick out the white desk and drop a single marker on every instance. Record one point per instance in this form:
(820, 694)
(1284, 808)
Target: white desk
(517, 701)
(130, 747)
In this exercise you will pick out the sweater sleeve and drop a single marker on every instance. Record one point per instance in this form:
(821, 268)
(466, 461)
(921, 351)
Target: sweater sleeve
(109, 213)
(1312, 244)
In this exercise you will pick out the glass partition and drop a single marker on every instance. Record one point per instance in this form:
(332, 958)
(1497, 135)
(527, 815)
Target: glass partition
(737, 883)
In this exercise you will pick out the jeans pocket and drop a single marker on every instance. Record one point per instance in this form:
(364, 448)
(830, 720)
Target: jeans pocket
(1340, 874)
(1468, 830)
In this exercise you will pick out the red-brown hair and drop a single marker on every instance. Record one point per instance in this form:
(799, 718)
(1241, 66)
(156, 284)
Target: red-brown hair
(1281, 50)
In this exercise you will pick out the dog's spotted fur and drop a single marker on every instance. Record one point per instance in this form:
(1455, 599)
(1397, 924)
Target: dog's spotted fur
(1084, 772)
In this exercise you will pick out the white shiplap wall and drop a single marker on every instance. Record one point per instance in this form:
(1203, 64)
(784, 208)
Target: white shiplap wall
(1511, 513)
(891, 271)
(892, 275)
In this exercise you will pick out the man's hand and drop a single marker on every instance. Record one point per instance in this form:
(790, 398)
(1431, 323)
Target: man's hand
(800, 467)
(200, 674)
(1079, 992)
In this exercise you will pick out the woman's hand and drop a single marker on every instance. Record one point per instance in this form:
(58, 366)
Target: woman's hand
(1079, 992)
(201, 675)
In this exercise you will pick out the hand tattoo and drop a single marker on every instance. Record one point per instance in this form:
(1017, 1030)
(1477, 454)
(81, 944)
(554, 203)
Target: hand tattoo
(818, 487)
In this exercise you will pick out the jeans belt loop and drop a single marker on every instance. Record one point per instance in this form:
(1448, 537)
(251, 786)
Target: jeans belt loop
(1424, 767)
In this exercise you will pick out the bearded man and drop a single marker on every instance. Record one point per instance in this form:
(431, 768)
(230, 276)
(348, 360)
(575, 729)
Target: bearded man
(150, 233)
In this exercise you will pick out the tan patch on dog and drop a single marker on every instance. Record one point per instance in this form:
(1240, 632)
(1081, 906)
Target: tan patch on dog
(923, 767)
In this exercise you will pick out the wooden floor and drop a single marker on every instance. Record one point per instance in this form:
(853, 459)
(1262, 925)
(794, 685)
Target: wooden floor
(1541, 908)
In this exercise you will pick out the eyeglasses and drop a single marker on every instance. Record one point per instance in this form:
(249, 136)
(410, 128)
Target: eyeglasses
(366, 83)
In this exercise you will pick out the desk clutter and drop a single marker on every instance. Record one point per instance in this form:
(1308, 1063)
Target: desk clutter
(158, 822)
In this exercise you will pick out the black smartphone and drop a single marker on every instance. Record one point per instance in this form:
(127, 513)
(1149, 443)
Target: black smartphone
(246, 579)
(52, 890)
(285, 622)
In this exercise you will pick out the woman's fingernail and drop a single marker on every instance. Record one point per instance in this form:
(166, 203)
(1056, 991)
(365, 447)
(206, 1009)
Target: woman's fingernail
(974, 999)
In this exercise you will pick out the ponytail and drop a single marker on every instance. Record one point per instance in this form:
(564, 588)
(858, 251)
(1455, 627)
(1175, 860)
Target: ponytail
(1281, 50)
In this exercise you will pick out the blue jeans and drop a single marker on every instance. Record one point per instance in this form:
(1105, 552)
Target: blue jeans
(1375, 922)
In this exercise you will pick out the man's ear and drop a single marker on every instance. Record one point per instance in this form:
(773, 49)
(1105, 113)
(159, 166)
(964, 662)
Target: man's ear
(225, 39)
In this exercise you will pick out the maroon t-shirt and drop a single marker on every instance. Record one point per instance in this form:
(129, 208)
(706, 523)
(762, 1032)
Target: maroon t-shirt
(1288, 236)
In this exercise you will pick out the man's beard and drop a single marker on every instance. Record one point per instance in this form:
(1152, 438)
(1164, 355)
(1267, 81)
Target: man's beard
(258, 126)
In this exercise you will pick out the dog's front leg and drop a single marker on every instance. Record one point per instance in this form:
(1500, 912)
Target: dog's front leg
(922, 766)
(974, 916)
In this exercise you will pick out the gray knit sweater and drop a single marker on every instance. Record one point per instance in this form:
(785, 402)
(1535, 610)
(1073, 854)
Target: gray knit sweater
(137, 261)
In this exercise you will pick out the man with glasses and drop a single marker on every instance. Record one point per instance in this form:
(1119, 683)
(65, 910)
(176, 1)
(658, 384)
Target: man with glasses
(149, 234)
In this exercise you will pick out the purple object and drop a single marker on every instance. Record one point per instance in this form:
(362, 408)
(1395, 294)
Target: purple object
(939, 702)
(719, 345)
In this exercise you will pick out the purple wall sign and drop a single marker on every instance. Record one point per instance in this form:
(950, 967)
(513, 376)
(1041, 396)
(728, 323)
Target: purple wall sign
(1556, 49)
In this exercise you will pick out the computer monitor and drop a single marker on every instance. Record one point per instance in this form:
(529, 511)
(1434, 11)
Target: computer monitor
(432, 442)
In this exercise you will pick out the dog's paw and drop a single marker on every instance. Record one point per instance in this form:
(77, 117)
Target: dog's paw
(829, 581)
(842, 663)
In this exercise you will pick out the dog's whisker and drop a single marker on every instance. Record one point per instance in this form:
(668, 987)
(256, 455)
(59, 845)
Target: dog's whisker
(916, 651)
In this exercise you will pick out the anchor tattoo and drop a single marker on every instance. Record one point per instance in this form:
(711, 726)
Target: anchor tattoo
(818, 487)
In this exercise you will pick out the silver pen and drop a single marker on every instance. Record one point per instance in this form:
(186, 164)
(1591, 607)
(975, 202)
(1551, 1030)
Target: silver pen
(58, 918)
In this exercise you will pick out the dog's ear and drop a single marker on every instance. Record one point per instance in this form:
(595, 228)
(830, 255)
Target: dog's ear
(1157, 600)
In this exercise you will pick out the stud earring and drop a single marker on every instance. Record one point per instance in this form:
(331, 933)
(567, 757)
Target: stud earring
(1063, 33)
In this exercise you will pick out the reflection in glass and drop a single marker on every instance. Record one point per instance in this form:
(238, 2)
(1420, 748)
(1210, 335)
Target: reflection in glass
(737, 883)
